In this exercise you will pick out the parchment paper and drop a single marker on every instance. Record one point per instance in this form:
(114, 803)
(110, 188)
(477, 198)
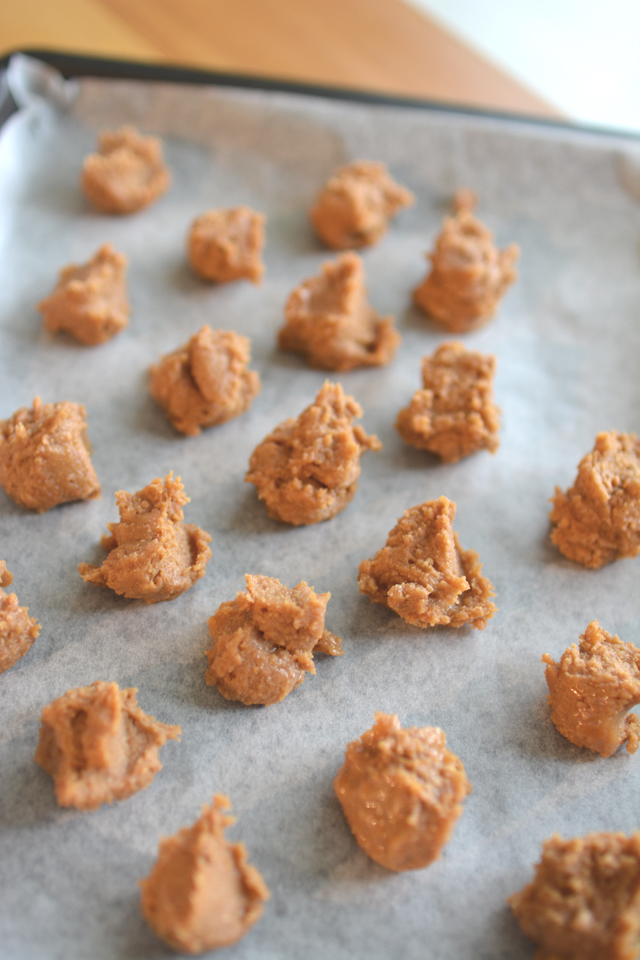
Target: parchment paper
(566, 337)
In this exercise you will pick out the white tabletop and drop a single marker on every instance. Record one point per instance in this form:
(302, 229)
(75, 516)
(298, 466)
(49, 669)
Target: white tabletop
(580, 55)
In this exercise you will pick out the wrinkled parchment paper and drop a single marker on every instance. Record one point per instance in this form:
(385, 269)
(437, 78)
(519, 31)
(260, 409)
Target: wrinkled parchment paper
(567, 338)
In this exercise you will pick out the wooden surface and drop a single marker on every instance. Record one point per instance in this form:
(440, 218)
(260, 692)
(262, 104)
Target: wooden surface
(381, 45)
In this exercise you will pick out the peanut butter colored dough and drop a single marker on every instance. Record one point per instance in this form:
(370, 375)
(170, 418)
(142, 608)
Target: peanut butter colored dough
(18, 630)
(330, 322)
(307, 470)
(127, 174)
(454, 414)
(354, 207)
(598, 519)
(99, 746)
(464, 199)
(425, 576)
(225, 245)
(584, 901)
(206, 381)
(264, 640)
(153, 555)
(592, 688)
(469, 275)
(201, 893)
(401, 792)
(6, 577)
(90, 300)
(44, 456)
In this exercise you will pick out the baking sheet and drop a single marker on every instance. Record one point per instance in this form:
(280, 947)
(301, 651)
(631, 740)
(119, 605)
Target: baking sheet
(566, 337)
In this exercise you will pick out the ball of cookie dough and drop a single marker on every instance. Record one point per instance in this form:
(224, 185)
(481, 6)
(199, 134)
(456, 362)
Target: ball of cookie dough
(468, 276)
(401, 792)
(356, 204)
(44, 456)
(584, 901)
(153, 555)
(454, 415)
(126, 174)
(330, 322)
(592, 688)
(201, 893)
(307, 469)
(206, 381)
(425, 576)
(597, 520)
(225, 245)
(90, 301)
(18, 631)
(99, 746)
(265, 639)
(6, 577)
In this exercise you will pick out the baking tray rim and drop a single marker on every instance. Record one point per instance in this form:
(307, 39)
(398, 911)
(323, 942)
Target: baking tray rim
(75, 66)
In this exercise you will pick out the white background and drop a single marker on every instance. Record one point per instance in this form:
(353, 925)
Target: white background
(580, 55)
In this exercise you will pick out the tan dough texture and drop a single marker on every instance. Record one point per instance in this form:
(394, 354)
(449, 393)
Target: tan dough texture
(469, 275)
(584, 901)
(127, 174)
(18, 630)
(153, 555)
(354, 207)
(425, 576)
(592, 688)
(464, 199)
(44, 456)
(264, 640)
(598, 519)
(99, 746)
(206, 381)
(401, 792)
(6, 577)
(201, 893)
(454, 414)
(330, 322)
(90, 300)
(307, 470)
(225, 245)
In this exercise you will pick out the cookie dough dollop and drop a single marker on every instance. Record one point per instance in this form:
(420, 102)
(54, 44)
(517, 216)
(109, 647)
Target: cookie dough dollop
(425, 576)
(356, 204)
(401, 791)
(307, 469)
(591, 689)
(18, 631)
(153, 555)
(330, 322)
(264, 640)
(206, 381)
(99, 746)
(90, 300)
(126, 174)
(597, 520)
(226, 245)
(584, 901)
(454, 414)
(469, 275)
(6, 577)
(44, 456)
(201, 893)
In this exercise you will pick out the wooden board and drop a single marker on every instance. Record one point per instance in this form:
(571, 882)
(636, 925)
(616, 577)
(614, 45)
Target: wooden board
(382, 45)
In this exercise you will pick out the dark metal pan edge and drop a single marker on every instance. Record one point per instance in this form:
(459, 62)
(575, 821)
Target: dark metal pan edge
(76, 65)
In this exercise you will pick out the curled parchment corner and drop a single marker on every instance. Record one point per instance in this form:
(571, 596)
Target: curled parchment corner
(30, 80)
